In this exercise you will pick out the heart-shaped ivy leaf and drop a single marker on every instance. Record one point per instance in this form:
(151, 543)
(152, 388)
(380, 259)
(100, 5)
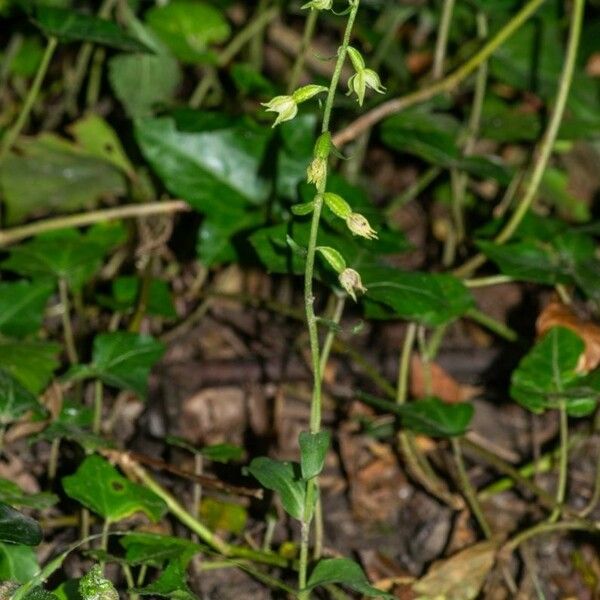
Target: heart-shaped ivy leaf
(30, 363)
(22, 305)
(17, 528)
(15, 399)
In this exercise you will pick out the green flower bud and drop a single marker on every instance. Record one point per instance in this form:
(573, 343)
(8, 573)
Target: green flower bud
(303, 209)
(323, 145)
(307, 92)
(350, 280)
(359, 225)
(358, 62)
(319, 4)
(333, 257)
(338, 206)
(286, 108)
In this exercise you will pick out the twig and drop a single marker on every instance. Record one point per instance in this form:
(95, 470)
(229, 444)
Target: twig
(16, 234)
(444, 85)
(309, 30)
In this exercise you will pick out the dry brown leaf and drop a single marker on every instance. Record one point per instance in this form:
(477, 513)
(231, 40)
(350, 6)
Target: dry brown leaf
(592, 68)
(557, 314)
(443, 385)
(459, 577)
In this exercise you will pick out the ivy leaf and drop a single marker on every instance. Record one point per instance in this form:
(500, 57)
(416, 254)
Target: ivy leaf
(17, 563)
(70, 26)
(98, 486)
(17, 528)
(283, 478)
(66, 254)
(432, 299)
(22, 305)
(11, 493)
(171, 583)
(15, 399)
(548, 374)
(30, 363)
(313, 450)
(188, 27)
(343, 571)
(155, 549)
(121, 359)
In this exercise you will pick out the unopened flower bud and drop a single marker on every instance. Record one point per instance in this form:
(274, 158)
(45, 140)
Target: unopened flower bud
(358, 62)
(319, 4)
(323, 145)
(350, 280)
(307, 92)
(333, 257)
(285, 107)
(359, 225)
(338, 206)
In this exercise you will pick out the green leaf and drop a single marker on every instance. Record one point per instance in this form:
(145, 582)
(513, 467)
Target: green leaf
(188, 28)
(209, 160)
(12, 494)
(22, 306)
(155, 549)
(343, 571)
(68, 590)
(121, 359)
(67, 178)
(432, 299)
(222, 453)
(98, 486)
(429, 416)
(15, 399)
(70, 26)
(94, 586)
(30, 363)
(65, 254)
(548, 374)
(313, 450)
(99, 139)
(143, 82)
(283, 478)
(223, 516)
(17, 528)
(172, 582)
(17, 563)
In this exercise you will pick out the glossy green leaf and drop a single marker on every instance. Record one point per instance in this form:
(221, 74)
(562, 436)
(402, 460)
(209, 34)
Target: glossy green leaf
(12, 494)
(15, 399)
(69, 26)
(547, 375)
(17, 563)
(17, 528)
(65, 254)
(430, 298)
(211, 161)
(30, 363)
(121, 359)
(155, 549)
(188, 28)
(67, 178)
(22, 306)
(345, 572)
(144, 82)
(283, 478)
(95, 586)
(313, 450)
(100, 487)
(99, 139)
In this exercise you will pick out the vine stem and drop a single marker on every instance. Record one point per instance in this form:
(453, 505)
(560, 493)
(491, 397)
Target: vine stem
(546, 144)
(16, 234)
(309, 31)
(446, 84)
(309, 299)
(563, 457)
(63, 291)
(13, 133)
(98, 402)
(442, 39)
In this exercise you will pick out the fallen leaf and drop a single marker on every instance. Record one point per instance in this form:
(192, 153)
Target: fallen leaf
(459, 577)
(443, 385)
(558, 314)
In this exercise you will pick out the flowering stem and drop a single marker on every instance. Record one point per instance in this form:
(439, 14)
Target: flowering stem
(311, 319)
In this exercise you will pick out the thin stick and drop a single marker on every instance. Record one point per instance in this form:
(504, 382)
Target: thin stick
(16, 234)
(444, 85)
(13, 133)
(309, 30)
(563, 468)
(442, 40)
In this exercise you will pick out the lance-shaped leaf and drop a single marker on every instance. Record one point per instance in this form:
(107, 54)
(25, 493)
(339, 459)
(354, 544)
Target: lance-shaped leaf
(17, 528)
(22, 305)
(283, 478)
(70, 26)
(102, 489)
(121, 359)
(313, 449)
(548, 375)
